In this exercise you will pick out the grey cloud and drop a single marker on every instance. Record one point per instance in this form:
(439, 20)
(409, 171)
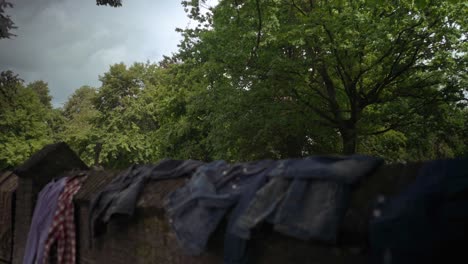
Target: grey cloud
(69, 43)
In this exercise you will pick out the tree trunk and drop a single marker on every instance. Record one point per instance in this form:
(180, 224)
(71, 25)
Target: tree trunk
(349, 139)
(97, 153)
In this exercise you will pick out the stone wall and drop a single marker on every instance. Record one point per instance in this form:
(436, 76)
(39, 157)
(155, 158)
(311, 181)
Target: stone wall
(8, 186)
(24, 199)
(49, 163)
(147, 237)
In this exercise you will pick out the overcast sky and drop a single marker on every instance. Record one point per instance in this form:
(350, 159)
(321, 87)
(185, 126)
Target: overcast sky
(69, 43)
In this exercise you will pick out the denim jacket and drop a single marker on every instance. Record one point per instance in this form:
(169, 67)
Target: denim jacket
(307, 198)
(428, 221)
(120, 196)
(196, 209)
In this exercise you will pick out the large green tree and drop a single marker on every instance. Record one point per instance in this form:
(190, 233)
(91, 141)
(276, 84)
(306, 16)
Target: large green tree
(124, 116)
(267, 79)
(41, 88)
(53, 117)
(24, 120)
(182, 128)
(78, 129)
(347, 69)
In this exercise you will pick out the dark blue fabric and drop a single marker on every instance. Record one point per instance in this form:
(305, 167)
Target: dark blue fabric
(309, 207)
(426, 223)
(120, 196)
(235, 249)
(307, 198)
(262, 207)
(312, 210)
(344, 169)
(196, 209)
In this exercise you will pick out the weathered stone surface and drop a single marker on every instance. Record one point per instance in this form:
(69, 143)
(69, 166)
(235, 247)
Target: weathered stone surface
(147, 237)
(48, 163)
(96, 181)
(8, 185)
(24, 200)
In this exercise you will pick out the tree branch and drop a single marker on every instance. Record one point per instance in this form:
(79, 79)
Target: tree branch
(391, 127)
(337, 57)
(317, 110)
(298, 8)
(403, 120)
(391, 49)
(112, 3)
(259, 30)
(330, 87)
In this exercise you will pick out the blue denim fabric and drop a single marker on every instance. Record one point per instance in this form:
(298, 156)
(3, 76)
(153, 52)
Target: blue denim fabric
(344, 169)
(307, 198)
(262, 206)
(427, 222)
(235, 247)
(196, 209)
(312, 209)
(235, 250)
(120, 196)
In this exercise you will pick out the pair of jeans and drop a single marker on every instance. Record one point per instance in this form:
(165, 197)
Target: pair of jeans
(197, 208)
(307, 198)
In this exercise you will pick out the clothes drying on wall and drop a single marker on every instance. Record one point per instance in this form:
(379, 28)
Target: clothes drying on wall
(427, 222)
(53, 222)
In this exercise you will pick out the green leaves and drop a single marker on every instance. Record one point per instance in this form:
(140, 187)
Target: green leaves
(41, 88)
(78, 129)
(268, 79)
(353, 67)
(25, 123)
(125, 121)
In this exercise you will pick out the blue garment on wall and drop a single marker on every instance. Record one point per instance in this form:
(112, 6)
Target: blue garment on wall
(426, 223)
(120, 196)
(307, 198)
(196, 209)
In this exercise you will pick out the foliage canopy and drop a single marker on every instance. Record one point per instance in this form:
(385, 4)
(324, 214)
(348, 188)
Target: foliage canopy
(268, 79)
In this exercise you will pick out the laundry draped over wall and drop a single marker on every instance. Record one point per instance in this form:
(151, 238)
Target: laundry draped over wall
(303, 198)
(427, 222)
(315, 196)
(53, 223)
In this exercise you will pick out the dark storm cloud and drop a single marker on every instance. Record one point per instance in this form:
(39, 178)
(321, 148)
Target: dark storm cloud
(68, 43)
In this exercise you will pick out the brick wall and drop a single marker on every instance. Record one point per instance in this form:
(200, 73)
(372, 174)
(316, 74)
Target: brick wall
(147, 237)
(8, 186)
(25, 196)
(48, 163)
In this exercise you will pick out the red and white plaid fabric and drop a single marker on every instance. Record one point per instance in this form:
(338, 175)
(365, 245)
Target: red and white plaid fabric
(62, 231)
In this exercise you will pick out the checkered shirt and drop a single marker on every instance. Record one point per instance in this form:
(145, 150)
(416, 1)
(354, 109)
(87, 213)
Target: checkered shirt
(62, 231)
